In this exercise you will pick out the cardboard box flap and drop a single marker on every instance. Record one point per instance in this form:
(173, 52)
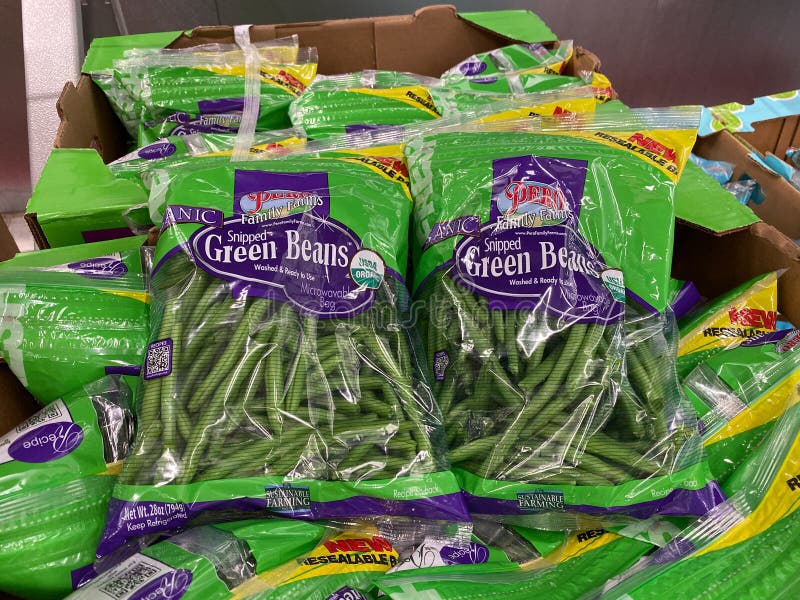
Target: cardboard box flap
(700, 200)
(105, 50)
(428, 42)
(737, 257)
(87, 120)
(736, 117)
(521, 25)
(781, 202)
(775, 136)
(75, 181)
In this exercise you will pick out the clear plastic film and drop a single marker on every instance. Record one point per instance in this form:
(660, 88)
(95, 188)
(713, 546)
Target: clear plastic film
(340, 104)
(747, 543)
(48, 534)
(282, 372)
(384, 141)
(71, 314)
(739, 393)
(206, 562)
(56, 476)
(748, 311)
(576, 564)
(532, 58)
(178, 92)
(528, 236)
(177, 150)
(349, 557)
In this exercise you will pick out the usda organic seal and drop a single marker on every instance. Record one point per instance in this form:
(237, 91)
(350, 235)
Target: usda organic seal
(367, 269)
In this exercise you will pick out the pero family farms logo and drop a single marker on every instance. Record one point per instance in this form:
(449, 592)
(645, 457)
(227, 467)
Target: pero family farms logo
(539, 203)
(275, 204)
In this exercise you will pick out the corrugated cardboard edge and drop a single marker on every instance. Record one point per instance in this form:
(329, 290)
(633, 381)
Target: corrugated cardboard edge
(36, 231)
(781, 205)
(774, 135)
(96, 128)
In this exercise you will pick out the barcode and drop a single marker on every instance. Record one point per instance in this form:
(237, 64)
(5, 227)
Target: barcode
(158, 361)
(129, 580)
(48, 413)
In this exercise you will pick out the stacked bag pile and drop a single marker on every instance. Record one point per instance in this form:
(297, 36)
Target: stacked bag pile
(397, 336)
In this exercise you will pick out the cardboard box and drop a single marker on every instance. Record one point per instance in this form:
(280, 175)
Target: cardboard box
(428, 42)
(78, 200)
(718, 262)
(720, 244)
(780, 205)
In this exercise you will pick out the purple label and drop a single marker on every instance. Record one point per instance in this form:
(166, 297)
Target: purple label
(472, 66)
(169, 586)
(128, 520)
(282, 244)
(537, 191)
(158, 361)
(210, 122)
(50, 441)
(157, 150)
(178, 213)
(220, 106)
(789, 342)
(266, 195)
(770, 338)
(686, 299)
(466, 225)
(82, 575)
(105, 267)
(346, 593)
(530, 254)
(483, 80)
(473, 554)
(537, 49)
(104, 235)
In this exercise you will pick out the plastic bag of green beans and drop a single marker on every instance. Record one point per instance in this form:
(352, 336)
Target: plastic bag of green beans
(281, 372)
(179, 92)
(56, 474)
(583, 561)
(528, 237)
(339, 104)
(178, 150)
(739, 393)
(749, 545)
(208, 562)
(533, 58)
(70, 315)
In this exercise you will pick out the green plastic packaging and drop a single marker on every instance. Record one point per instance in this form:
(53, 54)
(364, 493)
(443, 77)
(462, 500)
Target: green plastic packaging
(528, 236)
(73, 314)
(532, 58)
(178, 151)
(205, 563)
(745, 547)
(57, 470)
(739, 393)
(203, 89)
(364, 100)
(746, 312)
(281, 372)
(584, 561)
